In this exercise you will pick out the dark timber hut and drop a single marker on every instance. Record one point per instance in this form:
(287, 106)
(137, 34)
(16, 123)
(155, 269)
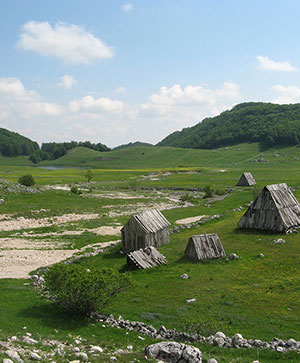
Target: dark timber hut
(275, 209)
(246, 180)
(148, 228)
(204, 246)
(146, 258)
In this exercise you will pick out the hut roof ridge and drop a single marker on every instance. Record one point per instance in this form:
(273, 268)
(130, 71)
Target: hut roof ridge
(151, 220)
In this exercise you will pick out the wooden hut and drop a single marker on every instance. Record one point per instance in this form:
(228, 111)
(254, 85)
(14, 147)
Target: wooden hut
(146, 258)
(148, 228)
(246, 180)
(204, 246)
(275, 209)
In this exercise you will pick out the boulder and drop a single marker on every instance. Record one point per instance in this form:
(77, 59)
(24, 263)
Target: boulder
(173, 352)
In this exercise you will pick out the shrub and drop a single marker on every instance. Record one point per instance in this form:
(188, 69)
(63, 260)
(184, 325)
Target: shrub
(89, 175)
(209, 192)
(27, 180)
(74, 189)
(187, 198)
(83, 291)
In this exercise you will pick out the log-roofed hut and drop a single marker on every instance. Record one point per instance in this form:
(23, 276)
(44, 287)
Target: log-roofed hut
(204, 246)
(148, 228)
(246, 180)
(146, 258)
(275, 209)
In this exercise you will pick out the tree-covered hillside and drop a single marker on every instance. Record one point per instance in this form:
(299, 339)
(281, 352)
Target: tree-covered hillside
(14, 144)
(247, 122)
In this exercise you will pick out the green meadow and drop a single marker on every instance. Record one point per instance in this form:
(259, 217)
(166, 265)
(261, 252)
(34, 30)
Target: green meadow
(257, 297)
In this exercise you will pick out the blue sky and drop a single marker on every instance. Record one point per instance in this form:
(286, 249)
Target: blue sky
(121, 71)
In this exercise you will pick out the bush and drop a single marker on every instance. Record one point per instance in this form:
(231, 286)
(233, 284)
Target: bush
(89, 175)
(74, 189)
(209, 192)
(188, 198)
(82, 291)
(27, 180)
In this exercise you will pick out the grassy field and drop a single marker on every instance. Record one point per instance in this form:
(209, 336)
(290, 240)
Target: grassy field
(257, 297)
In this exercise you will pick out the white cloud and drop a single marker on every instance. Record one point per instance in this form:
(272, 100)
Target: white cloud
(192, 100)
(91, 104)
(121, 89)
(127, 8)
(67, 82)
(16, 100)
(268, 64)
(107, 120)
(289, 94)
(68, 42)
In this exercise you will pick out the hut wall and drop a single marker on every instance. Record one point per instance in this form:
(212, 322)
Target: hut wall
(267, 214)
(134, 237)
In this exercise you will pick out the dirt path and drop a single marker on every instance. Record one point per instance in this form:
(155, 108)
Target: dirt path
(189, 220)
(24, 223)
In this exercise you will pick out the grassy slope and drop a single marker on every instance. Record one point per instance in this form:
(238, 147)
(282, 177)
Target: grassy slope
(256, 297)
(169, 157)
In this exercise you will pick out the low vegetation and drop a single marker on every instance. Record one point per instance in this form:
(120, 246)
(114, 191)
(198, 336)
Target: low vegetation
(255, 296)
(83, 291)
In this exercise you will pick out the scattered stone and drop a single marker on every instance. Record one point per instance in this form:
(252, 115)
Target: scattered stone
(13, 355)
(174, 352)
(35, 356)
(278, 241)
(233, 256)
(75, 350)
(141, 337)
(29, 340)
(113, 359)
(83, 356)
(191, 300)
(6, 360)
(184, 276)
(96, 349)
(212, 360)
(261, 255)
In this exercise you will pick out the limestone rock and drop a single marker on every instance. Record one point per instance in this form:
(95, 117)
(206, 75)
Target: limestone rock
(173, 352)
(13, 355)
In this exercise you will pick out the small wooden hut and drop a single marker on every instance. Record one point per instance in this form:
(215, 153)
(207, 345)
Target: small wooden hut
(246, 180)
(204, 246)
(275, 209)
(146, 258)
(148, 228)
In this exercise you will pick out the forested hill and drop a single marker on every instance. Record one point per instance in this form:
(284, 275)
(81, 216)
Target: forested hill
(14, 144)
(246, 122)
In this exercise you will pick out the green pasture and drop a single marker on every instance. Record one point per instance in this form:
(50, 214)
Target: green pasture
(257, 297)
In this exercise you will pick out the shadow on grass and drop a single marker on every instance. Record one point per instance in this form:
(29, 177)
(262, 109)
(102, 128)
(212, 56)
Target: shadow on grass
(53, 316)
(249, 231)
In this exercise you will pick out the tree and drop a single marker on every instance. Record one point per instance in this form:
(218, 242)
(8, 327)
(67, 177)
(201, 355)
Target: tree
(89, 175)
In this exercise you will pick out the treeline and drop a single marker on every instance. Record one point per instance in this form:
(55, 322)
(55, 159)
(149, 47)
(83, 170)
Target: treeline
(14, 144)
(55, 150)
(132, 144)
(247, 122)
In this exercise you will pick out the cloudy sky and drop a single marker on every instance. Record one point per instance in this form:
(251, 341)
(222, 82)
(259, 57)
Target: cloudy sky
(117, 71)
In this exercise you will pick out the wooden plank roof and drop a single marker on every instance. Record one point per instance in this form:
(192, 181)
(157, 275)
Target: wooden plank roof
(246, 179)
(151, 221)
(275, 208)
(204, 246)
(146, 258)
